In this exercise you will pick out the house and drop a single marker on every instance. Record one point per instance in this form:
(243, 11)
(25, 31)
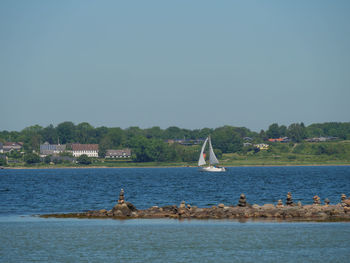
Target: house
(262, 146)
(51, 149)
(284, 139)
(1, 147)
(90, 150)
(12, 146)
(321, 139)
(124, 153)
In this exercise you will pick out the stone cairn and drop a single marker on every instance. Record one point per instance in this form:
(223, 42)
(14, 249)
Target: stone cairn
(121, 197)
(279, 204)
(326, 202)
(343, 198)
(345, 203)
(122, 208)
(317, 200)
(289, 201)
(242, 201)
(182, 205)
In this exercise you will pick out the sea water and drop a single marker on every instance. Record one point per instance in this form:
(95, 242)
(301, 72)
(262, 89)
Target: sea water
(26, 238)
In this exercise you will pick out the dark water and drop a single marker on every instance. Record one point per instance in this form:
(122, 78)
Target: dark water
(30, 239)
(71, 190)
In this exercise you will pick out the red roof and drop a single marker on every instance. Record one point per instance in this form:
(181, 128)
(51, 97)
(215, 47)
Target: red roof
(84, 147)
(276, 140)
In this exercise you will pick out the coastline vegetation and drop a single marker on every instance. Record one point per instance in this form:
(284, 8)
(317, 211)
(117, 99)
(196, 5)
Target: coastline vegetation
(156, 147)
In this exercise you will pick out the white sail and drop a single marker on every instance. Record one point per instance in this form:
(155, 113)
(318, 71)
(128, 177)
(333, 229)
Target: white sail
(212, 157)
(201, 160)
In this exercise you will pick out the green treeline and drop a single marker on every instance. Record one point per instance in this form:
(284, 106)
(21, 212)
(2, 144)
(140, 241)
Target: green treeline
(152, 144)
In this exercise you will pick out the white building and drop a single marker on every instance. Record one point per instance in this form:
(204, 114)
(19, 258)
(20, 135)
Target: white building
(124, 153)
(90, 150)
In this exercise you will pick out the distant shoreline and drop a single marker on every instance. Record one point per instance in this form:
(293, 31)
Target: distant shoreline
(143, 167)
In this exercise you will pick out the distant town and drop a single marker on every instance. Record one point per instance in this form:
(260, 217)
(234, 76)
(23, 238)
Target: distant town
(35, 144)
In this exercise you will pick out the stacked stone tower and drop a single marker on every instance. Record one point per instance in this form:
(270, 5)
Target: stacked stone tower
(326, 202)
(343, 198)
(121, 197)
(289, 200)
(317, 200)
(279, 204)
(242, 201)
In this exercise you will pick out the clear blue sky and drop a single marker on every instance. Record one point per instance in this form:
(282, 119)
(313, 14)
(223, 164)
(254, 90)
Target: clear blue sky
(190, 64)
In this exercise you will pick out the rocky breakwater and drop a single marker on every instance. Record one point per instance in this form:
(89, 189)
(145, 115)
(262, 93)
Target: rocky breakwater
(243, 210)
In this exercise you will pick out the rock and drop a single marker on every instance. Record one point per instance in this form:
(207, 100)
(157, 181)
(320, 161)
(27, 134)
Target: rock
(131, 206)
(221, 205)
(289, 200)
(279, 204)
(124, 209)
(268, 206)
(299, 204)
(134, 214)
(118, 213)
(255, 206)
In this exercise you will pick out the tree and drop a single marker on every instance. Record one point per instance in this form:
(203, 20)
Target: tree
(297, 132)
(85, 133)
(173, 133)
(49, 134)
(117, 137)
(227, 139)
(31, 136)
(84, 159)
(31, 158)
(141, 149)
(273, 131)
(2, 161)
(47, 159)
(154, 132)
(66, 132)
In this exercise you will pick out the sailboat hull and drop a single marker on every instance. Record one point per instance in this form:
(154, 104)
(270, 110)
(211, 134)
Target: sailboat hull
(212, 169)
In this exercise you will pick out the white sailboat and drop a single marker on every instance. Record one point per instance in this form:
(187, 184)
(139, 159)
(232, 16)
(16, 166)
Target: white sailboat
(212, 159)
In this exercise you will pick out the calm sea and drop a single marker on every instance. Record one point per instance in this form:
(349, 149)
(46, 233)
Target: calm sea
(24, 238)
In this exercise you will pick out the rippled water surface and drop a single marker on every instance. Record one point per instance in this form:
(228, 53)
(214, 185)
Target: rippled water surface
(31, 239)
